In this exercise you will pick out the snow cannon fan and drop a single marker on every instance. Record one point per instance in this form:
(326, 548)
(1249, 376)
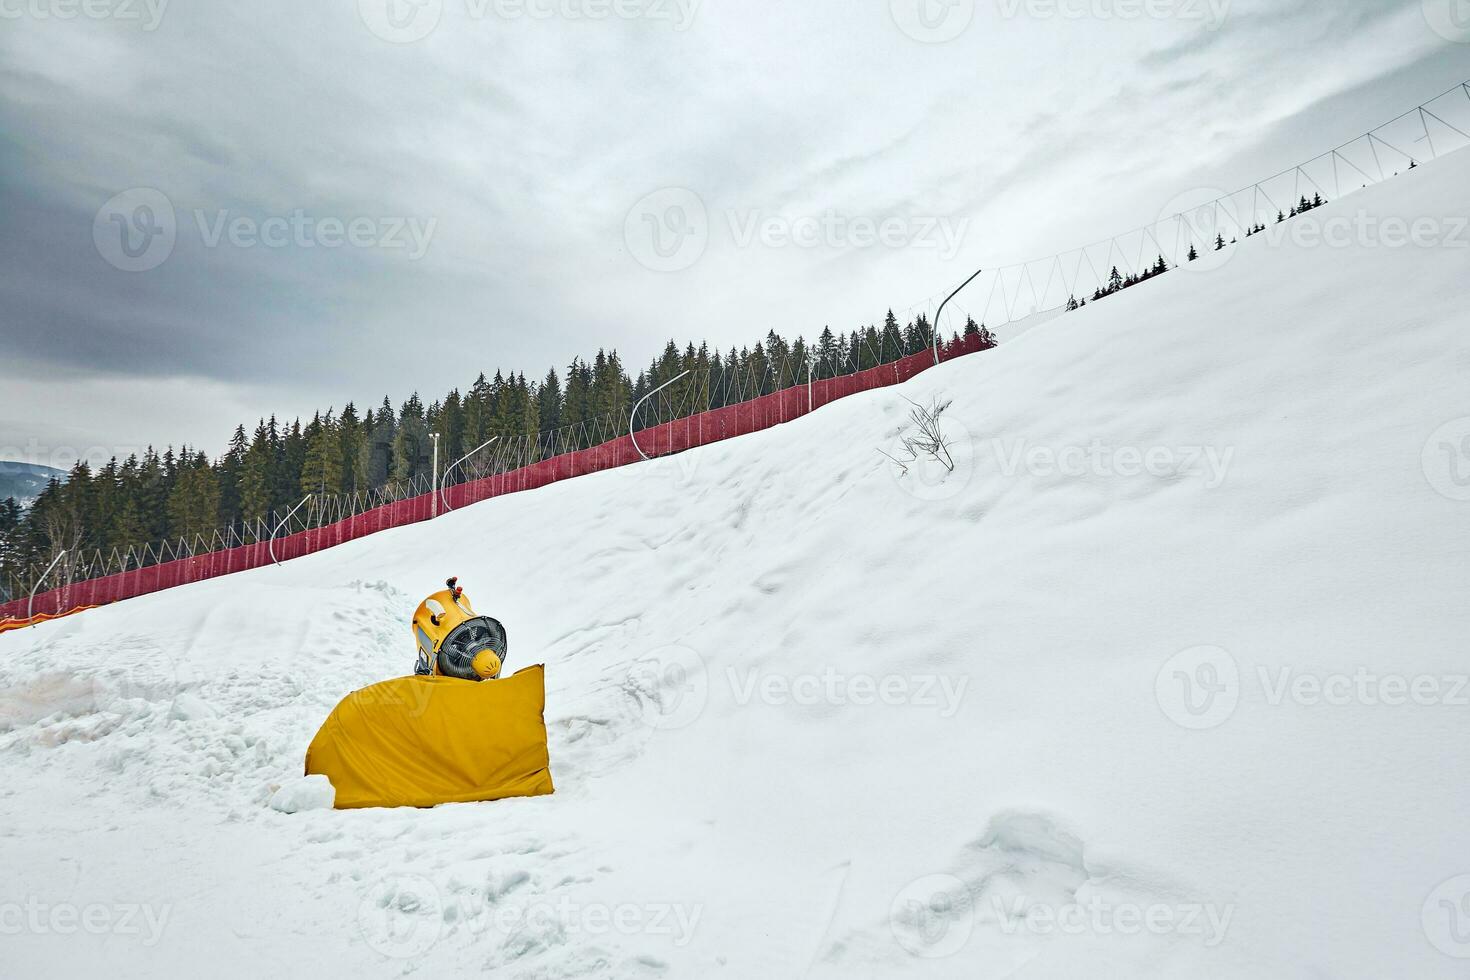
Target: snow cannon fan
(454, 641)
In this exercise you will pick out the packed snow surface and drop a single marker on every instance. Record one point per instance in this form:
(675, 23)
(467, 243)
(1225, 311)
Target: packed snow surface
(1165, 679)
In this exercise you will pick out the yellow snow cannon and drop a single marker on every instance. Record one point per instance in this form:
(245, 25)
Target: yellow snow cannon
(454, 732)
(453, 641)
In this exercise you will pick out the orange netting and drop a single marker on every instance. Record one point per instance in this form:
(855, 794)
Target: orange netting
(6, 625)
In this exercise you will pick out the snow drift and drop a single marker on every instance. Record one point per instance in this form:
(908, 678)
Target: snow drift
(1164, 679)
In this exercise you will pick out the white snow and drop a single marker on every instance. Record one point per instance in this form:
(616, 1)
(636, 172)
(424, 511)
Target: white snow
(305, 793)
(809, 718)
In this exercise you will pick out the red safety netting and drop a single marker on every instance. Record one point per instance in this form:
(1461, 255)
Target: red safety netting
(660, 440)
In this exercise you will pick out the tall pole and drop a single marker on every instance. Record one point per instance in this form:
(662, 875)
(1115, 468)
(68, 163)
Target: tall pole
(272, 546)
(633, 415)
(451, 468)
(946, 303)
(435, 437)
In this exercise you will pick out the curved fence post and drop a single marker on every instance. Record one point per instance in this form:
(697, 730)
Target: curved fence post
(31, 602)
(946, 303)
(272, 546)
(633, 415)
(443, 500)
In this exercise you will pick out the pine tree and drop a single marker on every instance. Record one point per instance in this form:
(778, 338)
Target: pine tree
(477, 412)
(412, 449)
(683, 402)
(717, 373)
(924, 333)
(193, 503)
(622, 400)
(452, 429)
(734, 384)
(152, 496)
(256, 495)
(548, 402)
(760, 371)
(321, 467)
(609, 395)
(11, 551)
(290, 460)
(229, 471)
(890, 340)
(375, 452)
(350, 434)
(778, 355)
(827, 354)
(127, 529)
(530, 410)
(667, 367)
(869, 350)
(800, 362)
(577, 403)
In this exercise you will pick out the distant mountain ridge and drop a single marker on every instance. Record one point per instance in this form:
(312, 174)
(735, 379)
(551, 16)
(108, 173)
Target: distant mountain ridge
(24, 481)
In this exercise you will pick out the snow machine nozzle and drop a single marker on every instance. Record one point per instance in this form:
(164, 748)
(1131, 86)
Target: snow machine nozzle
(455, 641)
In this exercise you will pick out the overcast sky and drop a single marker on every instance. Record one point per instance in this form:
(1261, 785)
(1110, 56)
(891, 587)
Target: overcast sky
(213, 211)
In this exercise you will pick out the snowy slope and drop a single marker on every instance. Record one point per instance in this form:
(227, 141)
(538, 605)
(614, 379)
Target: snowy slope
(812, 719)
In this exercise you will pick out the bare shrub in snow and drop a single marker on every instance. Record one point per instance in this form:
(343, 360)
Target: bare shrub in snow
(928, 441)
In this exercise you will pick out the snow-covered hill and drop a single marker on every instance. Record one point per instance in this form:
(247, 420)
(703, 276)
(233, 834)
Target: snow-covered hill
(25, 481)
(1165, 680)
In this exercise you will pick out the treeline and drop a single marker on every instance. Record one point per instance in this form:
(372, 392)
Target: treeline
(1117, 282)
(156, 497)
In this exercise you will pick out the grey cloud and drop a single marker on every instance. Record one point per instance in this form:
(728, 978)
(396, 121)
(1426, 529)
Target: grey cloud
(527, 143)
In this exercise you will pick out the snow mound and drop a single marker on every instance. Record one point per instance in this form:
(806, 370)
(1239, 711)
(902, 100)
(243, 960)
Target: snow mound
(306, 793)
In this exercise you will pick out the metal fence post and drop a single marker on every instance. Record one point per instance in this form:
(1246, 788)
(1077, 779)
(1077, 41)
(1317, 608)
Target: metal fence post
(31, 602)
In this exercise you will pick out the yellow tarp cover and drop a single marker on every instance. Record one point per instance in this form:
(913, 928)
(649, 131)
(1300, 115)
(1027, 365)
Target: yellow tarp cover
(421, 741)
